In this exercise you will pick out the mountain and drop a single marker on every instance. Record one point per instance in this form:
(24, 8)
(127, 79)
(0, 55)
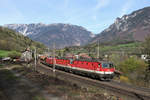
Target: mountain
(61, 34)
(132, 27)
(11, 40)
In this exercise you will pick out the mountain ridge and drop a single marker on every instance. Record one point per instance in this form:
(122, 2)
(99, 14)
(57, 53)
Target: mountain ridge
(61, 34)
(131, 27)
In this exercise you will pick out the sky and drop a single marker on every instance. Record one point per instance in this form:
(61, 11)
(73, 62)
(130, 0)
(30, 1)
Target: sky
(94, 15)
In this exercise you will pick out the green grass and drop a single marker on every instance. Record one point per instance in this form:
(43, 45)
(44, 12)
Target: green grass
(121, 47)
(128, 48)
(4, 53)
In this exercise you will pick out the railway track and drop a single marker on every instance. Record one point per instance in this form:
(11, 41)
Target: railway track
(126, 92)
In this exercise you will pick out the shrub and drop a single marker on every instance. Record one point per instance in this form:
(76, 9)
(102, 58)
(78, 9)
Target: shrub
(134, 71)
(133, 64)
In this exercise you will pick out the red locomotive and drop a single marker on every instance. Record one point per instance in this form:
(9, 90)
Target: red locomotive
(96, 69)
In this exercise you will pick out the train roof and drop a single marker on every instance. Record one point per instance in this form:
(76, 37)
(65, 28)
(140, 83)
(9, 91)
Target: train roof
(90, 60)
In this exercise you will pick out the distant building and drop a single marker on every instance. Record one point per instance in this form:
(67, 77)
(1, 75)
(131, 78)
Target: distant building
(84, 55)
(26, 56)
(69, 55)
(144, 57)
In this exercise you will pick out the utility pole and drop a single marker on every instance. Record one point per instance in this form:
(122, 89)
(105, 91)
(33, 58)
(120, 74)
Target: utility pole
(98, 50)
(35, 59)
(62, 53)
(54, 57)
(48, 51)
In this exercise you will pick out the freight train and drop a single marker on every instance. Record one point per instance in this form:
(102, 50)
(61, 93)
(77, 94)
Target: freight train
(102, 70)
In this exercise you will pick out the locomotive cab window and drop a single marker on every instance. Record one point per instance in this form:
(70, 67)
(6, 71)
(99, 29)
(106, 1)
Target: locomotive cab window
(105, 65)
(111, 65)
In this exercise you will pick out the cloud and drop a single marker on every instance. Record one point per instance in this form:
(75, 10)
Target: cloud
(101, 4)
(126, 7)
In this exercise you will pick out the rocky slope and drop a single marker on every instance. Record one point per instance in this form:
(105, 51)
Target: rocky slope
(132, 27)
(60, 34)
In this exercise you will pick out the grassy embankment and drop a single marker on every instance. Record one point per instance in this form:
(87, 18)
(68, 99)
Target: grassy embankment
(4, 53)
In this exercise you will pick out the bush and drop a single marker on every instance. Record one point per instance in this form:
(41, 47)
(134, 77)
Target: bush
(132, 65)
(134, 71)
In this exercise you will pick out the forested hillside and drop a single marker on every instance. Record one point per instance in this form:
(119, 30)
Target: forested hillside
(10, 40)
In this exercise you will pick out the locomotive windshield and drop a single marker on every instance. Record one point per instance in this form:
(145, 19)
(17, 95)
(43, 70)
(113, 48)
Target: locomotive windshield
(107, 65)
